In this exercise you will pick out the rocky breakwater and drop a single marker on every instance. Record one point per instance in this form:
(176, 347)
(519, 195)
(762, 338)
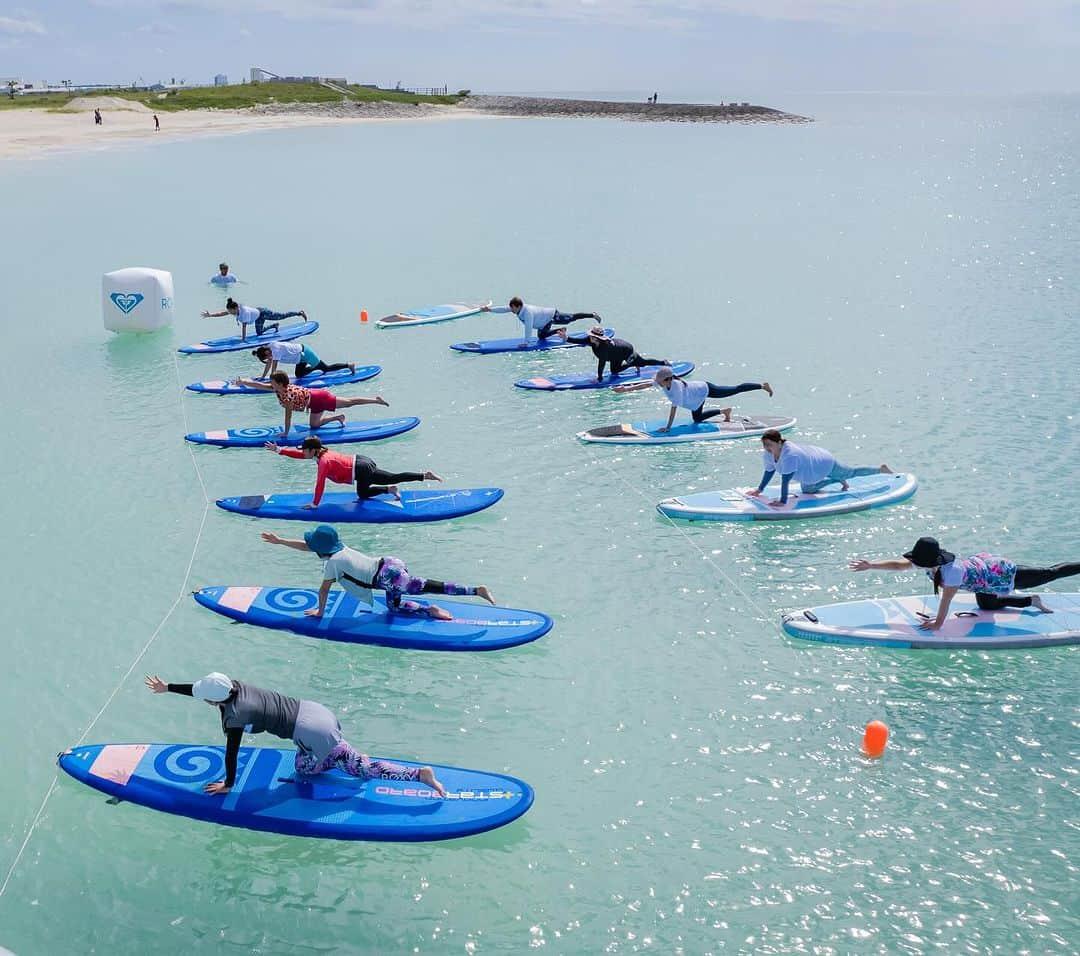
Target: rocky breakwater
(636, 111)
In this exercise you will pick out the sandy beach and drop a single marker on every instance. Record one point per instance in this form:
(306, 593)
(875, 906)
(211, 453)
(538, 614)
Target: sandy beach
(26, 132)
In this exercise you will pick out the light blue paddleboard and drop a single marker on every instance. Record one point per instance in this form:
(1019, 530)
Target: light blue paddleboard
(316, 380)
(494, 346)
(233, 343)
(872, 491)
(579, 380)
(475, 627)
(345, 507)
(648, 433)
(431, 314)
(268, 794)
(894, 622)
(257, 436)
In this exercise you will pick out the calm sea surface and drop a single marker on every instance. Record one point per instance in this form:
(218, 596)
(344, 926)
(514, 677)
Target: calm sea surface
(904, 271)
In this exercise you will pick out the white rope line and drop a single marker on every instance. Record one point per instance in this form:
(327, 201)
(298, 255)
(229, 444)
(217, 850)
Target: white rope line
(749, 600)
(142, 653)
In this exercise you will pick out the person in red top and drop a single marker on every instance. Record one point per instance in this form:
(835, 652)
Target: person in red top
(345, 469)
(315, 401)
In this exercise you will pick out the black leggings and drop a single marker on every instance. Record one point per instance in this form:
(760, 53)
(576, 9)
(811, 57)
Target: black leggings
(564, 318)
(1026, 578)
(721, 391)
(367, 472)
(633, 360)
(302, 368)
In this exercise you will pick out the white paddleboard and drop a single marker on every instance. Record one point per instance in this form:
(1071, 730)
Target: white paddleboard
(431, 314)
(648, 433)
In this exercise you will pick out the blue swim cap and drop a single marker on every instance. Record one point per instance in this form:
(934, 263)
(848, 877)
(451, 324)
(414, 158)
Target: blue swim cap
(323, 540)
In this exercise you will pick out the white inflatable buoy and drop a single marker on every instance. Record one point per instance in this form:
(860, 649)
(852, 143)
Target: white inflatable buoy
(137, 300)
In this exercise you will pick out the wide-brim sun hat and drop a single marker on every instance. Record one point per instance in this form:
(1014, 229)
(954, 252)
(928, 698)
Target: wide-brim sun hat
(927, 553)
(323, 540)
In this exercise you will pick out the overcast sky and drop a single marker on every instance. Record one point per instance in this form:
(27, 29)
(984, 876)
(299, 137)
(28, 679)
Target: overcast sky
(725, 49)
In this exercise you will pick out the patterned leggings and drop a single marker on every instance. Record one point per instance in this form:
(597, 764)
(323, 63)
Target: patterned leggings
(394, 578)
(274, 318)
(354, 763)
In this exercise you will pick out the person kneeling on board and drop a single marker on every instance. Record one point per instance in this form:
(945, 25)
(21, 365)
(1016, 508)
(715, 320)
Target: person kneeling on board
(294, 353)
(992, 579)
(315, 401)
(312, 727)
(540, 320)
(693, 395)
(345, 469)
(245, 315)
(618, 353)
(812, 467)
(359, 574)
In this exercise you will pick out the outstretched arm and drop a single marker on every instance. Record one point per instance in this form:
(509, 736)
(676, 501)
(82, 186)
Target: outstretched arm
(270, 538)
(883, 564)
(254, 383)
(632, 387)
(214, 315)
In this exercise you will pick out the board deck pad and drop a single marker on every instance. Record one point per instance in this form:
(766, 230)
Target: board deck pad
(583, 380)
(431, 314)
(315, 380)
(270, 796)
(233, 343)
(496, 346)
(475, 626)
(648, 433)
(345, 507)
(257, 435)
(894, 622)
(732, 504)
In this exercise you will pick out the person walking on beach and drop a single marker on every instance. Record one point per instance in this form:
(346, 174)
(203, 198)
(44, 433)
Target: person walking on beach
(345, 469)
(293, 353)
(314, 729)
(157, 123)
(617, 353)
(359, 574)
(315, 401)
(992, 578)
(97, 117)
(245, 315)
(223, 276)
(539, 320)
(693, 395)
(812, 467)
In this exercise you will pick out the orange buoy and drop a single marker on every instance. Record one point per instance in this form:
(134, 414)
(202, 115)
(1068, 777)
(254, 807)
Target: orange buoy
(363, 315)
(875, 738)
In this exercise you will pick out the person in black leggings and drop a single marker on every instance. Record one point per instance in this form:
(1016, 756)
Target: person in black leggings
(618, 353)
(371, 480)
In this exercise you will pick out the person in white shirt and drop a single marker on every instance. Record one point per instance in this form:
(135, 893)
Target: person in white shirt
(693, 395)
(245, 315)
(223, 277)
(359, 574)
(295, 353)
(812, 467)
(540, 320)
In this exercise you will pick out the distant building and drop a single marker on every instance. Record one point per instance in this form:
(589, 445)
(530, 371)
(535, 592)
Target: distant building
(259, 75)
(221, 79)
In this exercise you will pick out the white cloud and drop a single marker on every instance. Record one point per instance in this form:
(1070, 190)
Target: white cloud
(20, 26)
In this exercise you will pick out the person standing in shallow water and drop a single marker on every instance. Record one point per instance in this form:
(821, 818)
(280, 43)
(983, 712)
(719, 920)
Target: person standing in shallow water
(312, 727)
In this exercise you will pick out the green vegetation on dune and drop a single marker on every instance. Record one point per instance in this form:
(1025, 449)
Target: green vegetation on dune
(238, 96)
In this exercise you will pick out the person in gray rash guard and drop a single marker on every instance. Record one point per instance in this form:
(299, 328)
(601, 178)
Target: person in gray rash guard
(312, 727)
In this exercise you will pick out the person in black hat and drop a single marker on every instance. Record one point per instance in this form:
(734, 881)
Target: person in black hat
(992, 579)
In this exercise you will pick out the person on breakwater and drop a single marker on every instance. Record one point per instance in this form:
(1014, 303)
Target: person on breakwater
(539, 320)
(312, 727)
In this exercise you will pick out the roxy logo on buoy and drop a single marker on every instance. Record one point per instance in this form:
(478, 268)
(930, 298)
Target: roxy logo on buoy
(126, 301)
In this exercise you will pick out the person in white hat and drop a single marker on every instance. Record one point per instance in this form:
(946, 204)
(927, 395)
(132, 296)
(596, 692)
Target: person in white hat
(311, 726)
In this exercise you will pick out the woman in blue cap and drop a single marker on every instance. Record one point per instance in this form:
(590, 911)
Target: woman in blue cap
(312, 727)
(359, 574)
(993, 579)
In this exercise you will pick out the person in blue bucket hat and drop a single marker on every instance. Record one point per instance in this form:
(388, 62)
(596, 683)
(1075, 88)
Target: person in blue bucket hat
(359, 574)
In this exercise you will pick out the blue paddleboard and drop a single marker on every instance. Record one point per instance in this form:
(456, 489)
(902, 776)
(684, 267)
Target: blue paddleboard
(494, 346)
(233, 343)
(871, 491)
(268, 795)
(558, 383)
(345, 507)
(257, 436)
(316, 380)
(894, 622)
(475, 627)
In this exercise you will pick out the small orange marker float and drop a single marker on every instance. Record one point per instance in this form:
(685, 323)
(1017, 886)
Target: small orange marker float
(363, 315)
(875, 738)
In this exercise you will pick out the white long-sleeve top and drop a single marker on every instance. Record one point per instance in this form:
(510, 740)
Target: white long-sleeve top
(533, 317)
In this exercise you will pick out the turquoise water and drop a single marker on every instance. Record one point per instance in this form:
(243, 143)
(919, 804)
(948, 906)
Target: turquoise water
(902, 271)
